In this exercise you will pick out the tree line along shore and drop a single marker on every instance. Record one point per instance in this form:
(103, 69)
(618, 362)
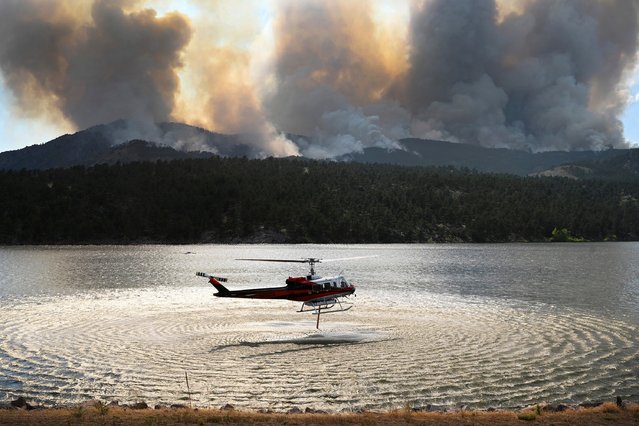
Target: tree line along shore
(236, 200)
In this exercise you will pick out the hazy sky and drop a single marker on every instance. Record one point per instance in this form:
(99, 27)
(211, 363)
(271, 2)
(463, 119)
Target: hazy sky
(525, 74)
(630, 117)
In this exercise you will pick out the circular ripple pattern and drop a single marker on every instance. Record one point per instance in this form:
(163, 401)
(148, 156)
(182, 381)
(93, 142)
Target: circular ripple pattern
(137, 345)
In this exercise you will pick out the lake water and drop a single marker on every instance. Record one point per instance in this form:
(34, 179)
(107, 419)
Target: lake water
(498, 325)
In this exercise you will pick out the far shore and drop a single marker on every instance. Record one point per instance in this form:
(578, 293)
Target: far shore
(98, 413)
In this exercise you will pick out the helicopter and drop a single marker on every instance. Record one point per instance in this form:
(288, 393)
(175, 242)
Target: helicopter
(317, 294)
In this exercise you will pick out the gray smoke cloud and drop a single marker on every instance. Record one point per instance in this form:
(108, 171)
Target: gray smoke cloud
(546, 78)
(116, 64)
(547, 75)
(329, 70)
(346, 131)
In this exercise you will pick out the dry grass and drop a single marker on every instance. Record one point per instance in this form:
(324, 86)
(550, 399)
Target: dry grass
(606, 414)
(609, 407)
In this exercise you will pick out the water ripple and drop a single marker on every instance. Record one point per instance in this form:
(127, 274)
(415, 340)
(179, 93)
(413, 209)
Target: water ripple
(137, 345)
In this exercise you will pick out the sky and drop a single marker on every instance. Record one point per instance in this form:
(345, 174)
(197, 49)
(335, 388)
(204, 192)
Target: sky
(630, 116)
(536, 75)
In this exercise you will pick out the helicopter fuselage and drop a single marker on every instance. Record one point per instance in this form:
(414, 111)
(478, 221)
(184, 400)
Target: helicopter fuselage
(301, 289)
(317, 294)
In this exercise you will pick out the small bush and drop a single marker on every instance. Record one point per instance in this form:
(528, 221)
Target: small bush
(564, 235)
(78, 412)
(527, 416)
(101, 407)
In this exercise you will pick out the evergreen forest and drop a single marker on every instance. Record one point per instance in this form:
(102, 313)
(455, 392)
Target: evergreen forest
(232, 200)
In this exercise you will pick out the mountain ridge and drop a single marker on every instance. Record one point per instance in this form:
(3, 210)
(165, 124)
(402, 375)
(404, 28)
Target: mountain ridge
(106, 143)
(424, 152)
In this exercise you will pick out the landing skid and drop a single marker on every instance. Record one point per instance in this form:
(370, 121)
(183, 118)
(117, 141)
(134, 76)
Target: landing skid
(326, 306)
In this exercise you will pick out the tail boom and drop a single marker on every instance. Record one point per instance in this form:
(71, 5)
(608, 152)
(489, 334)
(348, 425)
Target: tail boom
(215, 282)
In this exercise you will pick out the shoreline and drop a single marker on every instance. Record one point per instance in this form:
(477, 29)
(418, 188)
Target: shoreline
(249, 242)
(19, 412)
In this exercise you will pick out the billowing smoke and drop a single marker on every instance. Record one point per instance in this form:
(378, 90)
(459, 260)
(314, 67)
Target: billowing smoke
(330, 64)
(222, 59)
(111, 64)
(546, 77)
(337, 74)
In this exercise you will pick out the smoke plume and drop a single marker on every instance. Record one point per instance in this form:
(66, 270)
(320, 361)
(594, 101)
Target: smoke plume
(329, 64)
(546, 77)
(95, 69)
(339, 75)
(222, 62)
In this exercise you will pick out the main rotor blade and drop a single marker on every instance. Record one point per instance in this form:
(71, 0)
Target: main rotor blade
(309, 259)
(347, 258)
(281, 260)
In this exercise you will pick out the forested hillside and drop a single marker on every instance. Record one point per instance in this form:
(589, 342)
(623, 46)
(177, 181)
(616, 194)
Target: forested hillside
(622, 167)
(421, 152)
(293, 200)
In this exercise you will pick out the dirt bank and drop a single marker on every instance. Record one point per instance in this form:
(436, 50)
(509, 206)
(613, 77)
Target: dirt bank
(100, 414)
